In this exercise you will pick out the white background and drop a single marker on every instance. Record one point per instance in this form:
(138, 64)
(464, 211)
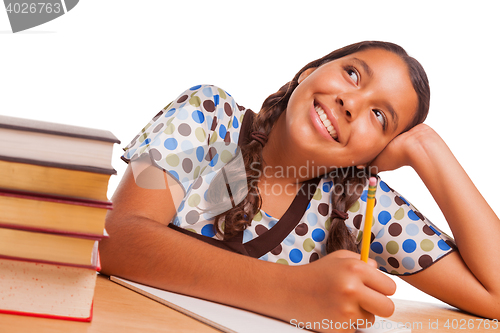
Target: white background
(114, 64)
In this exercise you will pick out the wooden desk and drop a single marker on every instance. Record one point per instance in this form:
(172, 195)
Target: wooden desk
(117, 309)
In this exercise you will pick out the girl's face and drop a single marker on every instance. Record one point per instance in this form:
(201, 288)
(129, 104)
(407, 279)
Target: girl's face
(346, 111)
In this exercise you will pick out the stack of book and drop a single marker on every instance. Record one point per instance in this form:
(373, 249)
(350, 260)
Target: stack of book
(53, 203)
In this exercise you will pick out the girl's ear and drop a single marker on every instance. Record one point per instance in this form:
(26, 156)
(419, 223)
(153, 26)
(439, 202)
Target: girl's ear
(305, 74)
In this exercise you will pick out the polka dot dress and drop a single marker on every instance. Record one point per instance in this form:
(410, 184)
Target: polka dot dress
(195, 137)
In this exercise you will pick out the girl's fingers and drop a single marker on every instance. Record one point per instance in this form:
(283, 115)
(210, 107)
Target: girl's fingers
(376, 303)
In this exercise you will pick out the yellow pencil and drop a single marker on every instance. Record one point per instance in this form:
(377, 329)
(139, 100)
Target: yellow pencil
(367, 229)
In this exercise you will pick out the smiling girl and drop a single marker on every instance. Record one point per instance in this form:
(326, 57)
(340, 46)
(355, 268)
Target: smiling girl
(288, 185)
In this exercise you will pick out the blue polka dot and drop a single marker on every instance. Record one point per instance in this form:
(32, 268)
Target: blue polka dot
(380, 233)
(264, 257)
(195, 87)
(214, 160)
(383, 269)
(433, 228)
(413, 216)
(267, 214)
(157, 141)
(295, 256)
(209, 121)
(385, 200)
(412, 229)
(380, 261)
(289, 240)
(408, 262)
(177, 221)
(312, 219)
(198, 116)
(318, 235)
(208, 230)
(404, 200)
(308, 205)
(222, 131)
(384, 217)
(147, 141)
(170, 112)
(443, 246)
(272, 223)
(181, 206)
(236, 124)
(207, 91)
(170, 143)
(384, 187)
(200, 152)
(364, 195)
(174, 174)
(216, 100)
(327, 186)
(247, 236)
(187, 147)
(377, 247)
(409, 245)
(183, 114)
(236, 136)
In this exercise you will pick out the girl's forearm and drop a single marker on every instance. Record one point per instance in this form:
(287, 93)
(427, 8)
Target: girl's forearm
(475, 226)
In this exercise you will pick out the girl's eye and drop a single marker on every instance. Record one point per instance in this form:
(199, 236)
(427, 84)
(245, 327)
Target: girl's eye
(381, 118)
(352, 74)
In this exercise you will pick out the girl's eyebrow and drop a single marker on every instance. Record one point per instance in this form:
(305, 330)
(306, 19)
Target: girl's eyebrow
(365, 66)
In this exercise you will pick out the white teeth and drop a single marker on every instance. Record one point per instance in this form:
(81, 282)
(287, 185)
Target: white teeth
(326, 122)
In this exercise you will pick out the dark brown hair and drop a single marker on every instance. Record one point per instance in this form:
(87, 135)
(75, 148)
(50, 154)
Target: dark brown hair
(240, 217)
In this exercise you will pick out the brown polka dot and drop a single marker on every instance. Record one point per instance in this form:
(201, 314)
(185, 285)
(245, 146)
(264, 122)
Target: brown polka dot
(314, 257)
(425, 261)
(211, 153)
(277, 250)
(301, 229)
(450, 244)
(182, 99)
(184, 129)
(134, 140)
(372, 237)
(260, 229)
(228, 109)
(419, 215)
(227, 138)
(357, 221)
(155, 154)
(427, 230)
(398, 201)
(240, 107)
(158, 115)
(187, 165)
(192, 217)
(395, 229)
(214, 124)
(393, 262)
(323, 209)
(209, 105)
(197, 183)
(158, 128)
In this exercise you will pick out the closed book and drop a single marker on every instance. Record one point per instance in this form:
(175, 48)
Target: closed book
(56, 145)
(55, 214)
(46, 290)
(69, 250)
(33, 177)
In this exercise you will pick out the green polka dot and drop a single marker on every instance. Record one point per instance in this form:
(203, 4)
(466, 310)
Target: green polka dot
(226, 156)
(169, 121)
(195, 101)
(170, 129)
(192, 230)
(146, 127)
(172, 160)
(258, 216)
(328, 223)
(394, 272)
(200, 134)
(144, 149)
(213, 137)
(202, 170)
(166, 107)
(196, 172)
(282, 261)
(309, 245)
(230, 123)
(194, 200)
(392, 247)
(400, 213)
(317, 195)
(355, 207)
(143, 137)
(360, 236)
(427, 245)
(222, 93)
(241, 118)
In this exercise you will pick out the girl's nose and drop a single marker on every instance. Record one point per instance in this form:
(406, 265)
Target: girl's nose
(348, 106)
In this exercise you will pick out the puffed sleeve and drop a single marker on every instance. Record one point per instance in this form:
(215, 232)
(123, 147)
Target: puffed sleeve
(192, 136)
(403, 241)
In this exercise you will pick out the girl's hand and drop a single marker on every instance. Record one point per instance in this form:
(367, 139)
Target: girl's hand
(340, 291)
(404, 148)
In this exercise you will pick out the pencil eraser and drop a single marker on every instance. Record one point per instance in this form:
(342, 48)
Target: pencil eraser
(373, 181)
